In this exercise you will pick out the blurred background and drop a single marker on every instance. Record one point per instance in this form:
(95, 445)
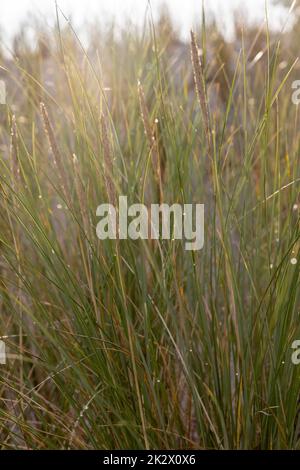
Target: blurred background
(184, 13)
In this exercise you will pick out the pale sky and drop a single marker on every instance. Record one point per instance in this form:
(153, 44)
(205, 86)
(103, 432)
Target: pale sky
(184, 12)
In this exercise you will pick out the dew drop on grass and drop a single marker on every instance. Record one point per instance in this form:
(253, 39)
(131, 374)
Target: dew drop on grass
(59, 206)
(294, 261)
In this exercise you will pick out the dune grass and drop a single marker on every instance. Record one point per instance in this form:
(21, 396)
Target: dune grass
(141, 344)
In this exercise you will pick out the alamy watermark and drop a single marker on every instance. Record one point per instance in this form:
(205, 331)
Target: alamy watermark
(296, 353)
(296, 93)
(161, 221)
(2, 92)
(2, 353)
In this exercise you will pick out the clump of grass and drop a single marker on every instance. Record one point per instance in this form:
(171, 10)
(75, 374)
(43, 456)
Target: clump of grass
(130, 344)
